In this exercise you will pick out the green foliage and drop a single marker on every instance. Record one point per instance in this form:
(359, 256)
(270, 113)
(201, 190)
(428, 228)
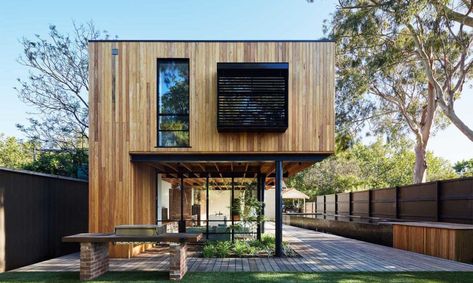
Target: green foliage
(361, 167)
(248, 208)
(63, 163)
(209, 250)
(223, 248)
(439, 168)
(464, 168)
(29, 155)
(14, 153)
(244, 248)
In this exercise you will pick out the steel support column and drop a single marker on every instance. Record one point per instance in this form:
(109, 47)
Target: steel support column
(231, 210)
(207, 207)
(182, 222)
(278, 208)
(263, 186)
(258, 197)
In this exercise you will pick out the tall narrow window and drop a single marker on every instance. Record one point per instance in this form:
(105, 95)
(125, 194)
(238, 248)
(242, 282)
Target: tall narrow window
(173, 102)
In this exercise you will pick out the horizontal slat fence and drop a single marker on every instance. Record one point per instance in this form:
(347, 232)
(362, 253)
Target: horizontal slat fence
(445, 201)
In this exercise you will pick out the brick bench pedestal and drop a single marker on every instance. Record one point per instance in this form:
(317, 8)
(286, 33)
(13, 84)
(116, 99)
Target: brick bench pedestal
(94, 260)
(177, 261)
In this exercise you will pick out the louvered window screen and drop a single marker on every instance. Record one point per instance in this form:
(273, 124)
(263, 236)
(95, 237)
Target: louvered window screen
(252, 97)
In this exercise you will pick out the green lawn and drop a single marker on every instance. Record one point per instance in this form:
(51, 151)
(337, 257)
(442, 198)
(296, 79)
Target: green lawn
(201, 277)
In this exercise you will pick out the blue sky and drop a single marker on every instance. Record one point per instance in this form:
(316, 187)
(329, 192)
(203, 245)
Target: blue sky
(253, 19)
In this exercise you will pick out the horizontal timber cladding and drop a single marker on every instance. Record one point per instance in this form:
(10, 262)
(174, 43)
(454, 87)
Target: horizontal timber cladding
(131, 115)
(252, 97)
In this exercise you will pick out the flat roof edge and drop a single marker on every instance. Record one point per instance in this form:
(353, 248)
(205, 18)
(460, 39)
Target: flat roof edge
(227, 157)
(211, 40)
(39, 174)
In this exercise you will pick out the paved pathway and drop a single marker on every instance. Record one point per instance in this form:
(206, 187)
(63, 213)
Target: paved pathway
(319, 252)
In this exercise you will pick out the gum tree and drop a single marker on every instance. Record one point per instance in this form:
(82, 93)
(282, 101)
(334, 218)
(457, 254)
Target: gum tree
(378, 67)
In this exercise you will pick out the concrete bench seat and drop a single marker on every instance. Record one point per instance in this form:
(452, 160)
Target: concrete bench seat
(94, 255)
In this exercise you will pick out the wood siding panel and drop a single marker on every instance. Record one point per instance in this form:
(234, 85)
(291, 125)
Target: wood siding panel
(124, 193)
(439, 242)
(311, 94)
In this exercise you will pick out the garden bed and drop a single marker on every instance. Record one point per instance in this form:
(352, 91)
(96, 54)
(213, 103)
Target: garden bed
(245, 248)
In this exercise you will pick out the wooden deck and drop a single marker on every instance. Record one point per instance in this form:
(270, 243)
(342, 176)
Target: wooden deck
(319, 252)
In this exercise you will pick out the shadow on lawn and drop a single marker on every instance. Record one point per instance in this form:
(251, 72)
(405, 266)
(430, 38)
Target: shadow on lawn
(149, 276)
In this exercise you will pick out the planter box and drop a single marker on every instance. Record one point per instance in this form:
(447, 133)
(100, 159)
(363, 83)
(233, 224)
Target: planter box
(446, 240)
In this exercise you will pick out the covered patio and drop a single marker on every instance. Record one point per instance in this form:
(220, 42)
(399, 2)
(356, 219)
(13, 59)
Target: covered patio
(202, 193)
(319, 252)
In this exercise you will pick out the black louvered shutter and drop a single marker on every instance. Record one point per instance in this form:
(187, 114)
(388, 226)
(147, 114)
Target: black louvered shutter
(252, 97)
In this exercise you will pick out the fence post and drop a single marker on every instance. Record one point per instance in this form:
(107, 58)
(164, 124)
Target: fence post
(369, 203)
(325, 206)
(437, 201)
(350, 197)
(396, 202)
(336, 205)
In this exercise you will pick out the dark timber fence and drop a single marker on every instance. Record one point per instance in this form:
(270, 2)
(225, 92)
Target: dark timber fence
(445, 201)
(36, 211)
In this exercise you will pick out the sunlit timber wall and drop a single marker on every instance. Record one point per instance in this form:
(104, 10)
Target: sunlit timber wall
(123, 115)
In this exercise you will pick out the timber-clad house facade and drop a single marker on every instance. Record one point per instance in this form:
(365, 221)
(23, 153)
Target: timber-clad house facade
(181, 131)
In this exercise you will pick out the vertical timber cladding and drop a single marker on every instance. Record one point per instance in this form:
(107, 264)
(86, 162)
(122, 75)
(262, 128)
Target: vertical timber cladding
(122, 192)
(311, 90)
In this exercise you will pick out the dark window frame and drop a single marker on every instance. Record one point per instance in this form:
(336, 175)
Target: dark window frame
(158, 110)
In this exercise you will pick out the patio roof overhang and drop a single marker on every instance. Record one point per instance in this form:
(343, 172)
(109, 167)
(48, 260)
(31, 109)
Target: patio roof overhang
(196, 167)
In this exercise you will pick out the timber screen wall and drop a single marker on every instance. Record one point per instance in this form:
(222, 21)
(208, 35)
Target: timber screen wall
(445, 201)
(36, 211)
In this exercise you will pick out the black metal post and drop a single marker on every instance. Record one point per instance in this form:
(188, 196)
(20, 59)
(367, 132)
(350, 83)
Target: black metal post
(207, 207)
(263, 188)
(231, 210)
(182, 222)
(258, 197)
(278, 208)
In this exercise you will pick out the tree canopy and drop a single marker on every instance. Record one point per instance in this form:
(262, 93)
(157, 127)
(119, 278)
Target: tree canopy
(373, 166)
(57, 86)
(17, 154)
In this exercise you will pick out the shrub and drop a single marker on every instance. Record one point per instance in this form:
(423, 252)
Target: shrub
(240, 248)
(268, 241)
(287, 250)
(223, 248)
(209, 250)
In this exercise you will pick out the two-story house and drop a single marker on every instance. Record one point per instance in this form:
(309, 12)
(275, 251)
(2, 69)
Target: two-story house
(182, 131)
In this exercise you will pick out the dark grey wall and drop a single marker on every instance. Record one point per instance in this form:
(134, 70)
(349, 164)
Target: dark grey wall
(36, 211)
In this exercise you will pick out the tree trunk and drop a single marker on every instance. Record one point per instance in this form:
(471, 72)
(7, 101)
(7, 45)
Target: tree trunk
(456, 121)
(420, 166)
